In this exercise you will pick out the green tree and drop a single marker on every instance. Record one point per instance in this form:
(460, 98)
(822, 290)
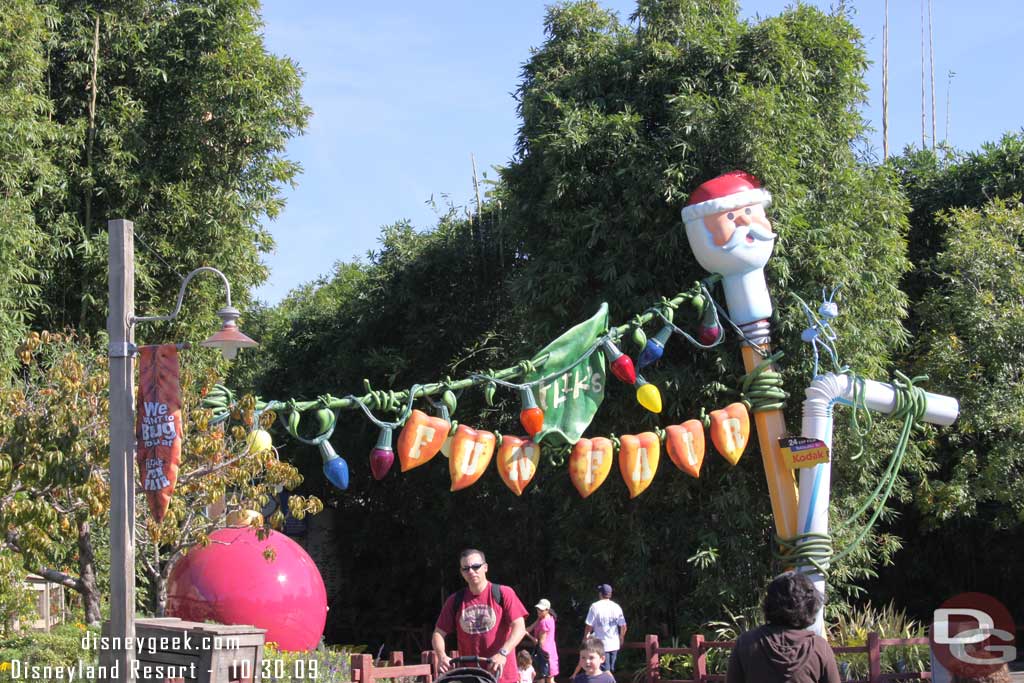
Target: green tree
(967, 515)
(967, 263)
(55, 445)
(175, 116)
(956, 179)
(972, 344)
(25, 169)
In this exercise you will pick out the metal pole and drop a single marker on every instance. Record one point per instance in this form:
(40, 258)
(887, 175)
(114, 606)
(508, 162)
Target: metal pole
(122, 447)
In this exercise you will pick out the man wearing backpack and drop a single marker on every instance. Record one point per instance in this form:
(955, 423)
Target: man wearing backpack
(488, 619)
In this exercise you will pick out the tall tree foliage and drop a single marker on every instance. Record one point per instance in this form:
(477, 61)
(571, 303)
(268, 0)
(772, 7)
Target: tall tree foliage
(972, 342)
(966, 242)
(619, 123)
(25, 169)
(54, 438)
(967, 221)
(955, 179)
(172, 115)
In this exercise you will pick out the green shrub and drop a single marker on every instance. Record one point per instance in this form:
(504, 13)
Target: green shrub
(326, 665)
(16, 602)
(62, 646)
(852, 628)
(730, 628)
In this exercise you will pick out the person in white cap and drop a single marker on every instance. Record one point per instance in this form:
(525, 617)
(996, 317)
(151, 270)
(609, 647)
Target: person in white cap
(608, 624)
(730, 234)
(542, 632)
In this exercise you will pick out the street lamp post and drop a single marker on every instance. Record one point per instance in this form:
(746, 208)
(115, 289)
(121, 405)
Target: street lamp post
(122, 446)
(121, 330)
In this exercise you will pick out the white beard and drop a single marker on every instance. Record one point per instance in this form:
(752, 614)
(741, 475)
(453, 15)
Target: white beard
(738, 256)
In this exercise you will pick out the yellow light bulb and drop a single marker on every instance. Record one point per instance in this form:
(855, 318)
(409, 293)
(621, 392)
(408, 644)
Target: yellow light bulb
(258, 441)
(649, 397)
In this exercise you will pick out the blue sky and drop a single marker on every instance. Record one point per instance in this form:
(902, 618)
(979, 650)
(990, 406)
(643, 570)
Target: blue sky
(403, 92)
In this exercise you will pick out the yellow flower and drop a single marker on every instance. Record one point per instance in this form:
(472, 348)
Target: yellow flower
(4, 666)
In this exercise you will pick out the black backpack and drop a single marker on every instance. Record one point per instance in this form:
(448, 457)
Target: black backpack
(460, 600)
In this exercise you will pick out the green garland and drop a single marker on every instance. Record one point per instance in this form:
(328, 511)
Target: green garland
(220, 398)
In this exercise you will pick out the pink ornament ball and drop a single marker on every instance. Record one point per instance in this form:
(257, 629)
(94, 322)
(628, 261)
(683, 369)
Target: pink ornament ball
(231, 581)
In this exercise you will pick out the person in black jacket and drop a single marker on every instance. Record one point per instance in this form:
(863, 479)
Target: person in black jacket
(783, 651)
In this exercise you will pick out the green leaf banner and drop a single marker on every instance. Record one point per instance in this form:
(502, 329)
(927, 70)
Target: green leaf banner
(571, 399)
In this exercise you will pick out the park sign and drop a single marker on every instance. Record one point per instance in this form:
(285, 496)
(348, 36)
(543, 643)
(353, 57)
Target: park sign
(570, 399)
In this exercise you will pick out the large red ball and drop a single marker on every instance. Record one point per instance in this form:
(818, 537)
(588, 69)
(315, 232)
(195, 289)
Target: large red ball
(231, 581)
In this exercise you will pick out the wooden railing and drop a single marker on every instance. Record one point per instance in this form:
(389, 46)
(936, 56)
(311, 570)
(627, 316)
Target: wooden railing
(699, 648)
(365, 671)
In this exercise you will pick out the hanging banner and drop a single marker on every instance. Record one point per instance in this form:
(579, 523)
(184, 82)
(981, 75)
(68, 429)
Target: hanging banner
(158, 425)
(570, 400)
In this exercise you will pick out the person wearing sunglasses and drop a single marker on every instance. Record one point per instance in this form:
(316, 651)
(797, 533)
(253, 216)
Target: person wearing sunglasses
(488, 619)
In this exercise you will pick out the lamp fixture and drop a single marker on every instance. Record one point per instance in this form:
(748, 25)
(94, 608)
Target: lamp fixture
(229, 339)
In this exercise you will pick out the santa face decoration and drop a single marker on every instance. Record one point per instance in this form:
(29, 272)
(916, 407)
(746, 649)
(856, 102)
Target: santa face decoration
(727, 226)
(729, 234)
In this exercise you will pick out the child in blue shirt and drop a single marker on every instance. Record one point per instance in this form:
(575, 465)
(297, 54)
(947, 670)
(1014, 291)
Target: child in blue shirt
(592, 656)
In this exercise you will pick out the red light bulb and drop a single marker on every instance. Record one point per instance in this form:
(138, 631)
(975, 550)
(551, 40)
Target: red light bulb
(621, 364)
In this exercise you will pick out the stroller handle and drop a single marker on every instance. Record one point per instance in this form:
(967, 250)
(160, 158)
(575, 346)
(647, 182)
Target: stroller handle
(471, 660)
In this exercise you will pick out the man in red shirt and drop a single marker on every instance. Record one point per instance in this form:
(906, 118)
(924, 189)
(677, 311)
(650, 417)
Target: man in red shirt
(488, 619)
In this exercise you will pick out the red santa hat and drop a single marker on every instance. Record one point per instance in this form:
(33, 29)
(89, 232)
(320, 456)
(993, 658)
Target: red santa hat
(730, 190)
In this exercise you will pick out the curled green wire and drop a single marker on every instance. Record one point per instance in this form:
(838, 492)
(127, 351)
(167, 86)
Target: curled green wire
(762, 386)
(815, 549)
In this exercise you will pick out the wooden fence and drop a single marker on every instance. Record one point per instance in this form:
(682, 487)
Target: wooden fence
(365, 671)
(699, 647)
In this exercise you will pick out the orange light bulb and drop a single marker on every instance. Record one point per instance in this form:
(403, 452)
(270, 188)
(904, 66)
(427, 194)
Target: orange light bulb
(531, 416)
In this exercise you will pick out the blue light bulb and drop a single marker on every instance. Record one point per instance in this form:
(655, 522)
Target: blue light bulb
(655, 347)
(335, 467)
